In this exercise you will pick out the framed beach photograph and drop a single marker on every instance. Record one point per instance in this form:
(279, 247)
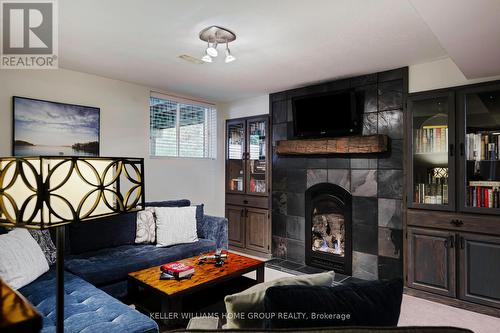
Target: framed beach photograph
(43, 128)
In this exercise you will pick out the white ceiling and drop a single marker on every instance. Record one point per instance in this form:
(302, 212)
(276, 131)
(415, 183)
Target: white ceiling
(468, 30)
(280, 44)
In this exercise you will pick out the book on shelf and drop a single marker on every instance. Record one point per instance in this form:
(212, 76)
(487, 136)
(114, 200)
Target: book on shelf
(483, 197)
(177, 269)
(431, 139)
(485, 183)
(482, 146)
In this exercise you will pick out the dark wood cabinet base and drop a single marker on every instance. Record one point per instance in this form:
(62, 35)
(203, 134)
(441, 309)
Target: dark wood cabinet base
(453, 302)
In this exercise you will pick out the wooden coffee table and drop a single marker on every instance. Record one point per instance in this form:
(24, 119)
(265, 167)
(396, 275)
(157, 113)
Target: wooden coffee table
(206, 275)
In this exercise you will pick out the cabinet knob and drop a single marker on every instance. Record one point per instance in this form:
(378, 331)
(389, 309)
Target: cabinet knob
(245, 202)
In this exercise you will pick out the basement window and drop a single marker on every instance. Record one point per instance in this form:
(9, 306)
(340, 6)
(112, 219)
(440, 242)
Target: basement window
(182, 128)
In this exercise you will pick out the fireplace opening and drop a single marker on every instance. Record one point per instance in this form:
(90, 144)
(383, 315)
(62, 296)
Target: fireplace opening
(328, 227)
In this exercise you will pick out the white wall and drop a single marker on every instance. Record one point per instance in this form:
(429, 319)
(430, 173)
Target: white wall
(246, 107)
(124, 130)
(438, 74)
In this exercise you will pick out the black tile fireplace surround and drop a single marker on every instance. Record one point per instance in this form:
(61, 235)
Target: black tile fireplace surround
(375, 182)
(328, 242)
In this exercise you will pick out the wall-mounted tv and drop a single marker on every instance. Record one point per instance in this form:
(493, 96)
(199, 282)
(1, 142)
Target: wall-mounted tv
(326, 115)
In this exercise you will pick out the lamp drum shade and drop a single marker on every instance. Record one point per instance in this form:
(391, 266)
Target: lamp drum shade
(50, 191)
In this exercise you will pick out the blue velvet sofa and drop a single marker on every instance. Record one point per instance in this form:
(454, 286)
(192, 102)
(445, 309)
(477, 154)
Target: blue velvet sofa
(99, 255)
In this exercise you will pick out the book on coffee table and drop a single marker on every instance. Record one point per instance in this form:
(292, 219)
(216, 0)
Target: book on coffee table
(177, 269)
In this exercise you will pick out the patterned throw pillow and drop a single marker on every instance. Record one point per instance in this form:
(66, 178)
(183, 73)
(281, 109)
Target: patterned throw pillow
(42, 237)
(146, 227)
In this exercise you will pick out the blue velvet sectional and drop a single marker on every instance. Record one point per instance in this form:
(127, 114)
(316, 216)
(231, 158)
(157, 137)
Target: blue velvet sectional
(99, 255)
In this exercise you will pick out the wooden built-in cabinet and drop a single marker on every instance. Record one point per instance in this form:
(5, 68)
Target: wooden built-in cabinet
(452, 223)
(431, 265)
(479, 262)
(248, 185)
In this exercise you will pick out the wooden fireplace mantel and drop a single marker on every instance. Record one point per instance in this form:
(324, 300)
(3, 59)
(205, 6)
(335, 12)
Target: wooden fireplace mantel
(366, 144)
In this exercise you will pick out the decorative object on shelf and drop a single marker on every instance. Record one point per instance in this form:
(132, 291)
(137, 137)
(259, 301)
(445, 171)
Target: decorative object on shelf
(215, 35)
(435, 190)
(50, 191)
(218, 258)
(51, 128)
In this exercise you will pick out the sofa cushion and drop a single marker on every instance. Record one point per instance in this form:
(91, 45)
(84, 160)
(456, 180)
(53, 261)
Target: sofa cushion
(169, 203)
(86, 308)
(42, 237)
(146, 226)
(369, 303)
(199, 218)
(175, 225)
(21, 258)
(242, 306)
(106, 233)
(111, 265)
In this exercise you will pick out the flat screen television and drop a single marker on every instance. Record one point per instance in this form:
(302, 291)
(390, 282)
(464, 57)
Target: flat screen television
(326, 115)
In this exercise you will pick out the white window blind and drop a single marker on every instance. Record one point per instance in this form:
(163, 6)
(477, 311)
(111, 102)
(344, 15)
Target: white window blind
(182, 129)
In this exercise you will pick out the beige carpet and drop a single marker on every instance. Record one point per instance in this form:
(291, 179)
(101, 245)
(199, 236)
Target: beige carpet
(419, 312)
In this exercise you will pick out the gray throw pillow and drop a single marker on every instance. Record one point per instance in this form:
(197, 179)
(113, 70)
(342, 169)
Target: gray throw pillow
(251, 301)
(146, 226)
(42, 237)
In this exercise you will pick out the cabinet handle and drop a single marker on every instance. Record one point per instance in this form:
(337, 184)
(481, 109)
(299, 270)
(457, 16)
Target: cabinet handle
(462, 149)
(451, 149)
(245, 201)
(246, 212)
(452, 241)
(242, 213)
(462, 243)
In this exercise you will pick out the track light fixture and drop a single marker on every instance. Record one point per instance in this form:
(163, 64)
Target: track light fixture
(214, 36)
(229, 56)
(206, 58)
(212, 50)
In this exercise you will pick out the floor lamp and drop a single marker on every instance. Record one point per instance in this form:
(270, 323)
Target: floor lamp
(54, 191)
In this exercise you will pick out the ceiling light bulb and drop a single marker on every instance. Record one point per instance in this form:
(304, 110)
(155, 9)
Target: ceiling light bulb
(212, 51)
(206, 58)
(229, 56)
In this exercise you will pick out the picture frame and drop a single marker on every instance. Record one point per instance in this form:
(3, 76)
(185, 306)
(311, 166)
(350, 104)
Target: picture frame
(47, 128)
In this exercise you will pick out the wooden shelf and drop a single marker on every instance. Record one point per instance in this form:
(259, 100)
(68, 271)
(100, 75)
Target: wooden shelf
(369, 144)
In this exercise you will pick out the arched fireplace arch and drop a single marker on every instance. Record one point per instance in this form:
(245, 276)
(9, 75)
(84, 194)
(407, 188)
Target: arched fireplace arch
(328, 228)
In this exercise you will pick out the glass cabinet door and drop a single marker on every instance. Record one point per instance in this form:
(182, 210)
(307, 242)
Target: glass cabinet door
(432, 146)
(236, 157)
(257, 157)
(480, 149)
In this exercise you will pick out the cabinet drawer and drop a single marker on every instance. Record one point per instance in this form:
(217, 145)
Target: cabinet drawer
(247, 200)
(466, 222)
(432, 219)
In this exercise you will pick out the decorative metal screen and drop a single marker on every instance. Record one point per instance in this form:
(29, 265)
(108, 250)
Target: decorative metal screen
(44, 192)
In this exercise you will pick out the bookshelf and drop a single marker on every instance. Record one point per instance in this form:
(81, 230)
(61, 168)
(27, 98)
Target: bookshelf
(452, 223)
(480, 157)
(431, 165)
(248, 185)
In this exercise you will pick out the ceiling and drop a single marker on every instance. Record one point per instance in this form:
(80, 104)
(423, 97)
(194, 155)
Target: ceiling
(468, 30)
(279, 45)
